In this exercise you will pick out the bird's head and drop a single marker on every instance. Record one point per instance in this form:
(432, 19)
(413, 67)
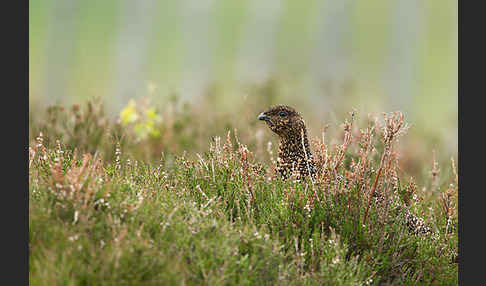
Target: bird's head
(284, 121)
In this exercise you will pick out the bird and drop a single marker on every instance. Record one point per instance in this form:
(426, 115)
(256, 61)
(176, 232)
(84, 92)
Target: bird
(294, 153)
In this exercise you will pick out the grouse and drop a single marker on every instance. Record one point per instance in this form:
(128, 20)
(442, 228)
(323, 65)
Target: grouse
(294, 154)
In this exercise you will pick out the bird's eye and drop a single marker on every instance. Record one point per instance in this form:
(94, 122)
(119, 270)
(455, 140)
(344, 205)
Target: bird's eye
(283, 113)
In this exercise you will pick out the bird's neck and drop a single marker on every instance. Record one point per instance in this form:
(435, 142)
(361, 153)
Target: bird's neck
(298, 144)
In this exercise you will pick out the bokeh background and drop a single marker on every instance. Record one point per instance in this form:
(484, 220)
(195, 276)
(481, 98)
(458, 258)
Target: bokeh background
(324, 57)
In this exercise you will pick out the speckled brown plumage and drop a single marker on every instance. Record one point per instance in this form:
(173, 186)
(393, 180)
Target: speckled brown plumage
(294, 151)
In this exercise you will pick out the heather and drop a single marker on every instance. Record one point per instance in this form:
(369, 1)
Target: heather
(178, 193)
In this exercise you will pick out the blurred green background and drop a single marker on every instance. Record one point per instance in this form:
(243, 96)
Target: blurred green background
(328, 56)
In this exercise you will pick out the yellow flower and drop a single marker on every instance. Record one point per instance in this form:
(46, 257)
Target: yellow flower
(151, 129)
(155, 133)
(152, 114)
(145, 126)
(129, 113)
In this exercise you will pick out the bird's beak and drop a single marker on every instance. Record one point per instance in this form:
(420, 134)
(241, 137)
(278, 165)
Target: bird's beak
(262, 116)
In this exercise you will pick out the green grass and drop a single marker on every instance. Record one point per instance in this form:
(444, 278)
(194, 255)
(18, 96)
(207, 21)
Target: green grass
(101, 213)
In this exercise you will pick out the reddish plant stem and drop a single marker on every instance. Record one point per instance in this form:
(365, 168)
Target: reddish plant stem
(373, 188)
